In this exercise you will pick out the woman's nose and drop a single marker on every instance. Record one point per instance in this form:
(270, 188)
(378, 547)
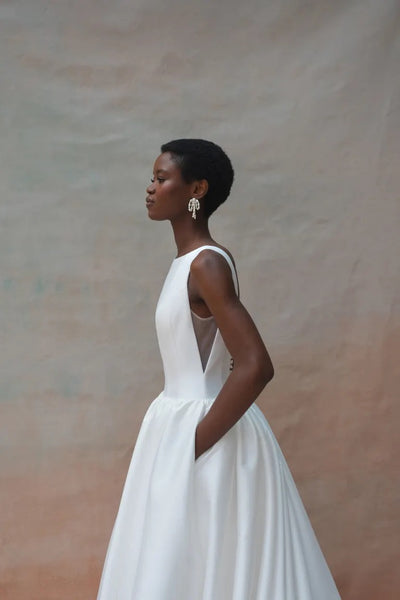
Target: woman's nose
(150, 188)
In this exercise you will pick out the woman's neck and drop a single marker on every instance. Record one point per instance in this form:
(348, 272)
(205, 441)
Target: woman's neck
(190, 234)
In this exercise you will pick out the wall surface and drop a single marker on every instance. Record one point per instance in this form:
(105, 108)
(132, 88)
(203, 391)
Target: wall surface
(305, 98)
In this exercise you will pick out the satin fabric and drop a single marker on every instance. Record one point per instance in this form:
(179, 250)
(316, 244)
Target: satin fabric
(227, 526)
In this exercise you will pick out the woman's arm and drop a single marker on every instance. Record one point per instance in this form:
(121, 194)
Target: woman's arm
(211, 282)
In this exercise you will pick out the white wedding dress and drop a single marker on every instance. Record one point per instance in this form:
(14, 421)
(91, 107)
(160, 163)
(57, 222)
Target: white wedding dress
(227, 526)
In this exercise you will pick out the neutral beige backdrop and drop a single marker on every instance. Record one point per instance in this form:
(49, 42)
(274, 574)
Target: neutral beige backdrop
(305, 98)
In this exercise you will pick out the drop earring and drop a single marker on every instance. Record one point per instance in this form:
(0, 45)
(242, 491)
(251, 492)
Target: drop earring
(193, 205)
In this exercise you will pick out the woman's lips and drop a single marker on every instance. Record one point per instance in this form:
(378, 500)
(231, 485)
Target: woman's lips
(149, 202)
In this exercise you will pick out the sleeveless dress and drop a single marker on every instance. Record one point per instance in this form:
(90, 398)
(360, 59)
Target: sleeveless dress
(227, 526)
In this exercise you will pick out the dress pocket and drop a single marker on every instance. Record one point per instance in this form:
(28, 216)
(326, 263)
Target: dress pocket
(206, 455)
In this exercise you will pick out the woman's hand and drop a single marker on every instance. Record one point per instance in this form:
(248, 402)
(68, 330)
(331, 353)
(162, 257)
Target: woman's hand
(200, 445)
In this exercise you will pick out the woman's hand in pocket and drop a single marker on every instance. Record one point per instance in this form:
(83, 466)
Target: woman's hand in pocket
(200, 445)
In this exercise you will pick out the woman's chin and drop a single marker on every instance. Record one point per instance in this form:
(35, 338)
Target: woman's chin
(150, 211)
(154, 217)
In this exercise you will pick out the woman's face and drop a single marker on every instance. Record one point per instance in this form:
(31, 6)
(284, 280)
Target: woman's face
(168, 194)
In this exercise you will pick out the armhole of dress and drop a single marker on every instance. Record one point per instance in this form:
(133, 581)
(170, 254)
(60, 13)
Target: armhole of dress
(230, 263)
(204, 359)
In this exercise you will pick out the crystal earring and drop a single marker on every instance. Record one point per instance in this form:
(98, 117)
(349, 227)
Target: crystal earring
(193, 205)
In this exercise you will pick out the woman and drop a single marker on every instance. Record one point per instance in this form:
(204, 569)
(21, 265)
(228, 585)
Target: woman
(209, 510)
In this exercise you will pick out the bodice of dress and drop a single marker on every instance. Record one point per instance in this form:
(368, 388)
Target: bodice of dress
(185, 374)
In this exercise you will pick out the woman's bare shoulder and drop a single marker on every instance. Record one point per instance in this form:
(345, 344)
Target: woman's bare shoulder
(211, 269)
(207, 258)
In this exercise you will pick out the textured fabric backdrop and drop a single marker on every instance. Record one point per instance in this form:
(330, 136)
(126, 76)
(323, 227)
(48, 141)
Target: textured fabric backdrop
(305, 98)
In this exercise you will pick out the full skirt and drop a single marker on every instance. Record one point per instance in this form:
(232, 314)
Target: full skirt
(227, 526)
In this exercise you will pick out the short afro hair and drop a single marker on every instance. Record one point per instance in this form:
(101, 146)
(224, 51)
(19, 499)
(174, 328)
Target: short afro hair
(201, 159)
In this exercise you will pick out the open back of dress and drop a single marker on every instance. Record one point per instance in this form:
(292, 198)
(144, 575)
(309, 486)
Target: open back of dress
(205, 329)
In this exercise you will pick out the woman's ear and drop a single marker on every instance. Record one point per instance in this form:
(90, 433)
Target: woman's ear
(201, 188)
